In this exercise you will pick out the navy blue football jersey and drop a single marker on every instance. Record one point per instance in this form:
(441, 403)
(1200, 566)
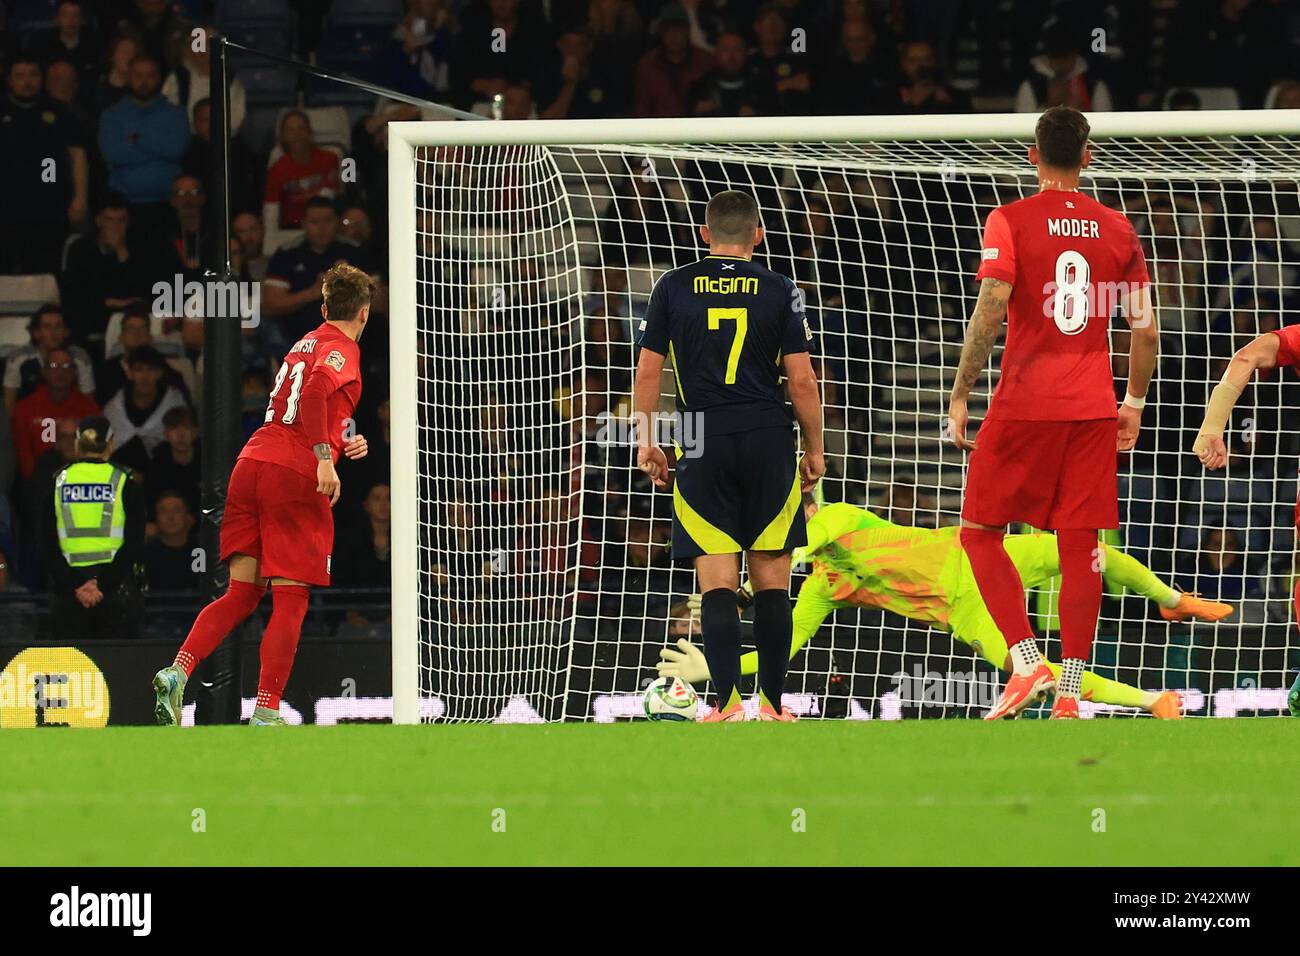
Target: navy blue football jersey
(726, 323)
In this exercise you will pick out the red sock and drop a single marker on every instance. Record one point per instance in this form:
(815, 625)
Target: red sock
(280, 642)
(1080, 591)
(999, 582)
(216, 621)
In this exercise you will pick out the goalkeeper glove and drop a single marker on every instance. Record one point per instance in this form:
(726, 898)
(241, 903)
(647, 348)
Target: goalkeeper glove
(686, 662)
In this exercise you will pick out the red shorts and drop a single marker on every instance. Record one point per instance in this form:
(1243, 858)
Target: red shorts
(275, 515)
(1051, 475)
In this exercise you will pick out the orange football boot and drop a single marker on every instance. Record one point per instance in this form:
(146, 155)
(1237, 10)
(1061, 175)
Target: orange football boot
(732, 715)
(767, 712)
(1192, 605)
(1021, 691)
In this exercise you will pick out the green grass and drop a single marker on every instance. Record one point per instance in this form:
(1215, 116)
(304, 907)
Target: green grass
(1211, 792)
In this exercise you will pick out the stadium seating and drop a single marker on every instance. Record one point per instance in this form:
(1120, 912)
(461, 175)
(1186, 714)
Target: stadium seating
(13, 333)
(26, 294)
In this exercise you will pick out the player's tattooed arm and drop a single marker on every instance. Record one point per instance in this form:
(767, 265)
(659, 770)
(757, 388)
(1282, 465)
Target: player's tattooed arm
(323, 451)
(981, 334)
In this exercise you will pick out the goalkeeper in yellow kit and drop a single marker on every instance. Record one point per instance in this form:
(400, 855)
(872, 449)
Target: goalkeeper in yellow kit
(861, 560)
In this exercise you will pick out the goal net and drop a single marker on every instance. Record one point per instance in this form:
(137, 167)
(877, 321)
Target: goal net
(532, 574)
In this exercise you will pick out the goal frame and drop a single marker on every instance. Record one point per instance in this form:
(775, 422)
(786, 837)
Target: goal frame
(404, 138)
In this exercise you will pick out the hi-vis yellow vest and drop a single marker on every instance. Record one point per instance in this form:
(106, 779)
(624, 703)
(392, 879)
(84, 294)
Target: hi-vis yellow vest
(90, 513)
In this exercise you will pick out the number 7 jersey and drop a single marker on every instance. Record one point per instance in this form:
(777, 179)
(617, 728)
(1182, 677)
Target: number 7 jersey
(1070, 261)
(324, 363)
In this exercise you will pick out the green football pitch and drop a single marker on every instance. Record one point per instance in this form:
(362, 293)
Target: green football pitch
(1106, 792)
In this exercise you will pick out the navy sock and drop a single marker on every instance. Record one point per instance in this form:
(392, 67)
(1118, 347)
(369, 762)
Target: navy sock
(772, 629)
(721, 626)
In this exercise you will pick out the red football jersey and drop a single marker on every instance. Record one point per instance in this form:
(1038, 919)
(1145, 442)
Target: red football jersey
(323, 360)
(1069, 260)
(1288, 351)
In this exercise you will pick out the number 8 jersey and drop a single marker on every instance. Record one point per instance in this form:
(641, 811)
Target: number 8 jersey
(325, 363)
(1070, 261)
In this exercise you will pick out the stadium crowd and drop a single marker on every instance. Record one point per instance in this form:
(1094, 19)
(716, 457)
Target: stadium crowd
(106, 153)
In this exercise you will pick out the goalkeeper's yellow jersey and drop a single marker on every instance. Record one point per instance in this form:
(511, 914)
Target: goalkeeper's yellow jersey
(860, 559)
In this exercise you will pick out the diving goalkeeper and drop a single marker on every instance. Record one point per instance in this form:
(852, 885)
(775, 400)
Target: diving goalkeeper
(862, 560)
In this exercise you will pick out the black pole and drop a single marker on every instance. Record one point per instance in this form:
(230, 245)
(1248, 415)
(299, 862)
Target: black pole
(219, 685)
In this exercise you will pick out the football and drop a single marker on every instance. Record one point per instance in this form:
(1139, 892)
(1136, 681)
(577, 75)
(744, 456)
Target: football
(670, 698)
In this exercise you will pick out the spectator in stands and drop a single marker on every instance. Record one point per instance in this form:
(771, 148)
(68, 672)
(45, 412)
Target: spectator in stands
(43, 201)
(63, 86)
(136, 412)
(303, 172)
(920, 88)
(684, 622)
(644, 228)
(1059, 77)
(189, 83)
(188, 236)
(569, 91)
(1183, 99)
(517, 102)
(169, 554)
(174, 465)
(157, 30)
(291, 292)
(115, 82)
(362, 550)
(142, 138)
(355, 226)
(69, 41)
(732, 87)
(617, 40)
(136, 331)
(667, 72)
(784, 74)
(1285, 95)
(1221, 573)
(1241, 44)
(420, 52)
(104, 271)
(254, 388)
(56, 397)
(250, 255)
(851, 83)
(245, 170)
(25, 368)
(501, 42)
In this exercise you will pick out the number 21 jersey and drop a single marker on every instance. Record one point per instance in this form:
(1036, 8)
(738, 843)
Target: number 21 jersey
(1070, 261)
(328, 362)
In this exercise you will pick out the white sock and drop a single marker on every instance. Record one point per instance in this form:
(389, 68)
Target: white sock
(1149, 698)
(1068, 684)
(1025, 657)
(1173, 600)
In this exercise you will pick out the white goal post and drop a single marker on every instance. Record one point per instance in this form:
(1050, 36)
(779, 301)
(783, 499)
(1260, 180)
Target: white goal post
(530, 580)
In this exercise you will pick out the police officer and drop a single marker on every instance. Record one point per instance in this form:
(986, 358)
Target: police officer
(96, 541)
